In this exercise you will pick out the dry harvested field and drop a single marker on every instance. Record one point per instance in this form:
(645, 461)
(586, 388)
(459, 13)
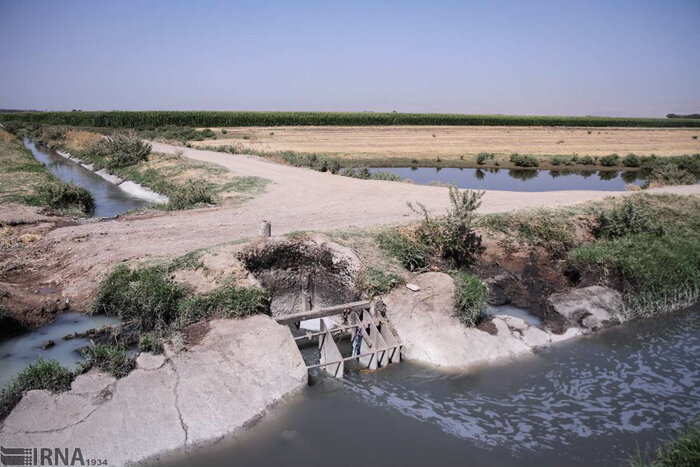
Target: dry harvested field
(450, 142)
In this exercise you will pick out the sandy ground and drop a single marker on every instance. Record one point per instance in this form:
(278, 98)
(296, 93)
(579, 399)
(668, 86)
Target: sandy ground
(431, 141)
(297, 199)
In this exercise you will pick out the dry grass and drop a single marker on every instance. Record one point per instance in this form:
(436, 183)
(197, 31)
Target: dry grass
(81, 140)
(451, 143)
(20, 173)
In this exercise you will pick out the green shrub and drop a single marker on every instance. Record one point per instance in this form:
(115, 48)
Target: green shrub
(375, 281)
(150, 343)
(562, 160)
(112, 359)
(631, 160)
(312, 161)
(65, 196)
(207, 133)
(365, 174)
(669, 174)
(145, 297)
(470, 298)
(452, 236)
(627, 218)
(522, 160)
(610, 160)
(190, 194)
(682, 451)
(484, 157)
(42, 374)
(458, 241)
(586, 160)
(54, 133)
(227, 301)
(120, 151)
(409, 252)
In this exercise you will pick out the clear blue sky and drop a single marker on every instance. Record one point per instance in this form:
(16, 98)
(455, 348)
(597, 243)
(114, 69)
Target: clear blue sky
(632, 58)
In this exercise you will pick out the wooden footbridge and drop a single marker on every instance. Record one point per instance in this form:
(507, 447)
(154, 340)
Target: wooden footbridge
(373, 342)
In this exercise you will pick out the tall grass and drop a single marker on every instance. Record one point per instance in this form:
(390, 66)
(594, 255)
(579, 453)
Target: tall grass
(42, 374)
(147, 119)
(470, 298)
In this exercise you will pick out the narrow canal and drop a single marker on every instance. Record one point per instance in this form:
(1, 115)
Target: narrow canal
(110, 200)
(588, 402)
(518, 179)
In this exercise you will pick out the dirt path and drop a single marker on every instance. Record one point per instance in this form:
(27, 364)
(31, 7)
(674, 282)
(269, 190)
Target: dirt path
(298, 199)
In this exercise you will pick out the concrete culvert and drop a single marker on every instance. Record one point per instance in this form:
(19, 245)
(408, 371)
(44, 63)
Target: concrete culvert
(303, 274)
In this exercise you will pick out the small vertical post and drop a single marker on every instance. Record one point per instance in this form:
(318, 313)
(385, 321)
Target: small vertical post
(265, 229)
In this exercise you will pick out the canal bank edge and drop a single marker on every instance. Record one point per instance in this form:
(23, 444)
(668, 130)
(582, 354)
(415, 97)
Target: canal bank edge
(432, 334)
(128, 186)
(229, 380)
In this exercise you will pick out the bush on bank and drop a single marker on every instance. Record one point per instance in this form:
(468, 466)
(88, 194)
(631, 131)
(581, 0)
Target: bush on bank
(120, 151)
(65, 197)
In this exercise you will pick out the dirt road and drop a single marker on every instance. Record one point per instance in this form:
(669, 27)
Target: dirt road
(297, 199)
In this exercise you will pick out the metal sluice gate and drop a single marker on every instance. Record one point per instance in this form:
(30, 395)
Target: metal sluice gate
(374, 344)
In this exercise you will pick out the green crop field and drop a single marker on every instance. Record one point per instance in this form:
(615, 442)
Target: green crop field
(145, 119)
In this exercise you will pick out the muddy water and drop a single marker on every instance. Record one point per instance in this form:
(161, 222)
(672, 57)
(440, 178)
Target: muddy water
(518, 180)
(20, 351)
(587, 402)
(110, 200)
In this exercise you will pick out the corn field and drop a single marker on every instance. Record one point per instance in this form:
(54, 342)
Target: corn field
(147, 119)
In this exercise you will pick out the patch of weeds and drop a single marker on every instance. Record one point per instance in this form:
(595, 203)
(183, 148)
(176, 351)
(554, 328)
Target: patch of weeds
(112, 359)
(190, 194)
(375, 281)
(42, 374)
(483, 157)
(191, 260)
(365, 174)
(148, 342)
(586, 160)
(411, 254)
(669, 174)
(120, 151)
(658, 273)
(522, 160)
(227, 301)
(65, 197)
(631, 160)
(562, 160)
(298, 234)
(470, 298)
(682, 450)
(145, 297)
(546, 229)
(632, 216)
(610, 160)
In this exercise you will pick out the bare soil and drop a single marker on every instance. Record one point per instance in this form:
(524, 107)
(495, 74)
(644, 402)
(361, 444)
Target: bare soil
(451, 142)
(74, 258)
